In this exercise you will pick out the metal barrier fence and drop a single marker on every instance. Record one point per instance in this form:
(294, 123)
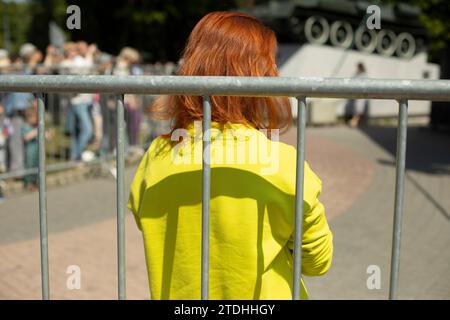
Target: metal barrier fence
(300, 88)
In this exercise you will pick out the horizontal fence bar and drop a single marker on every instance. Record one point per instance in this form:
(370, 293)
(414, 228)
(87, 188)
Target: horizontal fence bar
(435, 90)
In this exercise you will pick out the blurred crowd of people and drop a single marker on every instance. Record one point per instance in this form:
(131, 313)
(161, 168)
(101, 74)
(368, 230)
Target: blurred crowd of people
(87, 118)
(78, 58)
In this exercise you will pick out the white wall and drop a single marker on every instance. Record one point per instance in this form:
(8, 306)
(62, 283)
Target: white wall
(312, 60)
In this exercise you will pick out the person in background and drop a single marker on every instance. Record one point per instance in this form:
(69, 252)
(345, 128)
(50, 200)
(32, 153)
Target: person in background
(53, 58)
(356, 111)
(78, 118)
(105, 63)
(87, 52)
(29, 132)
(98, 123)
(104, 110)
(4, 133)
(30, 57)
(16, 102)
(128, 64)
(4, 61)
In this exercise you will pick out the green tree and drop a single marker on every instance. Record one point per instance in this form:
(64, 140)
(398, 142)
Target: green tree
(43, 12)
(158, 28)
(15, 19)
(435, 17)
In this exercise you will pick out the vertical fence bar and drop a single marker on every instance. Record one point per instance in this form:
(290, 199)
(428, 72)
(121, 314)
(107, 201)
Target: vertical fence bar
(206, 193)
(296, 287)
(108, 125)
(399, 190)
(120, 154)
(43, 198)
(63, 110)
(50, 103)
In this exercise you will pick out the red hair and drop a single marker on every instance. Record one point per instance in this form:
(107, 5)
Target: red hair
(228, 44)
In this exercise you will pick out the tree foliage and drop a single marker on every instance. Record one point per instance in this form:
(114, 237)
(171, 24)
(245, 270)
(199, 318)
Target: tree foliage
(158, 28)
(17, 18)
(435, 17)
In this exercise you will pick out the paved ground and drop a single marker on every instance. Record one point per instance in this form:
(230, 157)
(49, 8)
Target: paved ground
(357, 170)
(363, 233)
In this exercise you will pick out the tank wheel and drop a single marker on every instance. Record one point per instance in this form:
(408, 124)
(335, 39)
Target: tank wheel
(406, 45)
(386, 42)
(341, 34)
(365, 40)
(317, 30)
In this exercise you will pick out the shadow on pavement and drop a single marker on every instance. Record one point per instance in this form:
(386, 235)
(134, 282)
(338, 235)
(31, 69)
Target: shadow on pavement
(427, 151)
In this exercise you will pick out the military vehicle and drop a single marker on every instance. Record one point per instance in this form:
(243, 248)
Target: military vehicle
(342, 23)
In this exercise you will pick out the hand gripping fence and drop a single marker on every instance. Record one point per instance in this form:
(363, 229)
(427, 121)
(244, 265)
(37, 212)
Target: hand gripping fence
(300, 88)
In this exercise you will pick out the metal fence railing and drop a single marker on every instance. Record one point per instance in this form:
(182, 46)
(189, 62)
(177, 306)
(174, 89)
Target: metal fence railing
(300, 88)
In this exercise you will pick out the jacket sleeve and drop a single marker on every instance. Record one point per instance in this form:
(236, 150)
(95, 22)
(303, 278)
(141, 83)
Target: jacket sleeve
(317, 240)
(137, 190)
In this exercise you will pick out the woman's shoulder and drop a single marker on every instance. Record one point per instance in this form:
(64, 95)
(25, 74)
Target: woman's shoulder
(289, 154)
(288, 169)
(159, 146)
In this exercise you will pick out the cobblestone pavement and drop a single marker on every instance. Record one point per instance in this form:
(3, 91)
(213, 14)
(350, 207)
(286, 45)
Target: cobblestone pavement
(357, 170)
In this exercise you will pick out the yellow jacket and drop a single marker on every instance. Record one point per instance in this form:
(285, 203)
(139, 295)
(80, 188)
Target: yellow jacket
(251, 219)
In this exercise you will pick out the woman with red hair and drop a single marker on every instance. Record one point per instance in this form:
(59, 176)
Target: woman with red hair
(252, 179)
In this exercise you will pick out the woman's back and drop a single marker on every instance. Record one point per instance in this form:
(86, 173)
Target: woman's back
(251, 216)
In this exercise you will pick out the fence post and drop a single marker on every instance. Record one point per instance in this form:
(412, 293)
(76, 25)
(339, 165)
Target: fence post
(43, 198)
(399, 190)
(206, 193)
(299, 186)
(120, 153)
